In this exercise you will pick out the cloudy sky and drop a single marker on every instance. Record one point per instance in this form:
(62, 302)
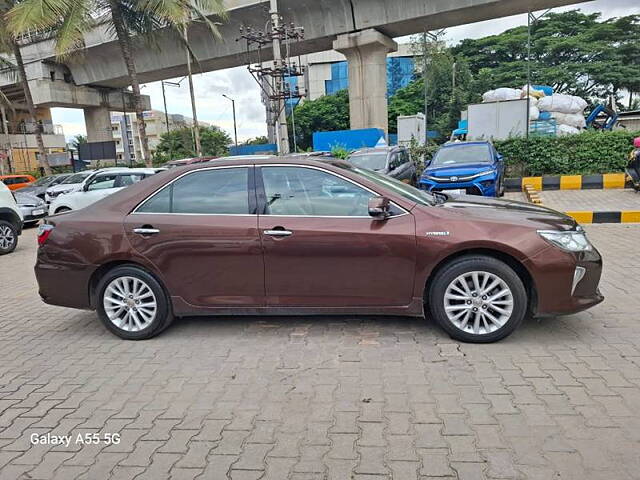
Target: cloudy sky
(238, 83)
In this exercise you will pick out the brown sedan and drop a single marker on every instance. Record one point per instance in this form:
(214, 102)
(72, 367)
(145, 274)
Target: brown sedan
(298, 236)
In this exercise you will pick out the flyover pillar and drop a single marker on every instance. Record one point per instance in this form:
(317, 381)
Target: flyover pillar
(366, 53)
(98, 123)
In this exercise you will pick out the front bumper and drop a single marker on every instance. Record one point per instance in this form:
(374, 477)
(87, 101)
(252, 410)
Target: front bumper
(484, 186)
(553, 273)
(33, 213)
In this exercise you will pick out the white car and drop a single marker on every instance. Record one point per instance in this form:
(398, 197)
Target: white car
(70, 184)
(10, 221)
(97, 186)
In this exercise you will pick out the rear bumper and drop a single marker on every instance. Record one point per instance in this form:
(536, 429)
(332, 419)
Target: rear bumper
(63, 284)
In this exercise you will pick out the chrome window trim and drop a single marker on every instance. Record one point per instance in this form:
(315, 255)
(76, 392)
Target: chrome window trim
(135, 210)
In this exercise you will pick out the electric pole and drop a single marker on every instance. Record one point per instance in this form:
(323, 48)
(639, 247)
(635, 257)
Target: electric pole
(273, 79)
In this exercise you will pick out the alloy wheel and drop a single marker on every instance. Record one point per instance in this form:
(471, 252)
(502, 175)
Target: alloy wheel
(130, 303)
(7, 237)
(478, 302)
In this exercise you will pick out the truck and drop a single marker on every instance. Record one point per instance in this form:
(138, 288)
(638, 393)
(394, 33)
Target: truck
(496, 120)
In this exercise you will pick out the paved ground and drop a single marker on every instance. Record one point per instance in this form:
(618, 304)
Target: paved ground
(597, 200)
(318, 398)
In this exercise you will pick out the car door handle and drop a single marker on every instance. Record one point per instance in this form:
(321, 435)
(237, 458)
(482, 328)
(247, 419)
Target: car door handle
(278, 233)
(146, 231)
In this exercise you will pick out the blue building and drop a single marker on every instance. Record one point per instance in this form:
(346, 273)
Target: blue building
(399, 74)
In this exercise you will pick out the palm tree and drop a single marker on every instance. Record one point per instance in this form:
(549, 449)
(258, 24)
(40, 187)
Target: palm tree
(9, 45)
(70, 19)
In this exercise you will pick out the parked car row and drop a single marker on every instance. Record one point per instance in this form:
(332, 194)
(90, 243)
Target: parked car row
(26, 206)
(457, 168)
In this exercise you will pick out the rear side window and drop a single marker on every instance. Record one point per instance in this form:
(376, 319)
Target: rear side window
(219, 191)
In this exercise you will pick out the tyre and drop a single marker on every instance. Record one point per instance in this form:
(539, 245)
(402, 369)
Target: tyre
(8, 237)
(132, 304)
(501, 189)
(477, 299)
(62, 210)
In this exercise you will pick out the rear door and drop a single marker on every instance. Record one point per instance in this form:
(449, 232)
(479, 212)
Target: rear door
(201, 233)
(321, 247)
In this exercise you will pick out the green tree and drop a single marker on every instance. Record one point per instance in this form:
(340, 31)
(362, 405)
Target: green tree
(444, 100)
(78, 140)
(260, 140)
(9, 45)
(576, 53)
(327, 113)
(70, 19)
(179, 144)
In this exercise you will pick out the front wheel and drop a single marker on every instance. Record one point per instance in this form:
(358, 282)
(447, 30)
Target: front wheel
(477, 299)
(8, 237)
(132, 304)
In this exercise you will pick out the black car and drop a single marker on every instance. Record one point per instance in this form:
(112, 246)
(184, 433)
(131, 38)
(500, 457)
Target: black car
(393, 161)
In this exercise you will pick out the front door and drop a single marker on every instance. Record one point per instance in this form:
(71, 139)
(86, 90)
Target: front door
(201, 233)
(322, 248)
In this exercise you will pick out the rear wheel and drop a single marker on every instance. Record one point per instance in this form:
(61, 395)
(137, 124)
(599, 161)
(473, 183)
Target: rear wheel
(8, 237)
(132, 304)
(477, 299)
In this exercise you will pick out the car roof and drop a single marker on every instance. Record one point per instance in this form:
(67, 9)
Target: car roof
(14, 175)
(386, 149)
(258, 160)
(458, 144)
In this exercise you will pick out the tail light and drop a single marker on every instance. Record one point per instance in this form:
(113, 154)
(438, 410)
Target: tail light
(44, 230)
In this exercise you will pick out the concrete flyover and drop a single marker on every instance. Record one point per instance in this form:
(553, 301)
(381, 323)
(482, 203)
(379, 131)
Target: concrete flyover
(324, 21)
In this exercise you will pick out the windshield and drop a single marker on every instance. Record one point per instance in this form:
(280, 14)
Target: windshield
(407, 191)
(462, 154)
(43, 181)
(372, 161)
(77, 178)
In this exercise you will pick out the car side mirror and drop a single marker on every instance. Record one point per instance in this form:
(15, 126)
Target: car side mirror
(379, 208)
(85, 188)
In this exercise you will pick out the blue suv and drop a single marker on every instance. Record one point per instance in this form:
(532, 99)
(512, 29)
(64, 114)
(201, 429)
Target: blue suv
(472, 168)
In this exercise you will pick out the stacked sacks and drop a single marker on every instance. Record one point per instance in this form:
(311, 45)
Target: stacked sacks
(501, 95)
(567, 110)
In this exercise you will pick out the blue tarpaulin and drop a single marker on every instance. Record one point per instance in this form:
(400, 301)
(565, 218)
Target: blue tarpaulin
(347, 139)
(264, 148)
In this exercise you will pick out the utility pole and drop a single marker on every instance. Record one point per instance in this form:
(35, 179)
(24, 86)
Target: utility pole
(196, 127)
(166, 113)
(235, 128)
(531, 20)
(272, 79)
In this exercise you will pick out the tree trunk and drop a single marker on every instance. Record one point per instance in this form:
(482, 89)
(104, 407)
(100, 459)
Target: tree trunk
(125, 46)
(22, 74)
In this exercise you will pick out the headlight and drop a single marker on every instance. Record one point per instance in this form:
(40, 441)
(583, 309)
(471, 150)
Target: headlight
(571, 241)
(486, 172)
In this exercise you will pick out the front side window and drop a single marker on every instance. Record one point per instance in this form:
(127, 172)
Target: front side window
(102, 182)
(218, 191)
(310, 192)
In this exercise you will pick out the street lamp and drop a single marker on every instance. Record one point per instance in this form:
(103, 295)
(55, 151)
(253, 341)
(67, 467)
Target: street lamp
(235, 129)
(164, 99)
